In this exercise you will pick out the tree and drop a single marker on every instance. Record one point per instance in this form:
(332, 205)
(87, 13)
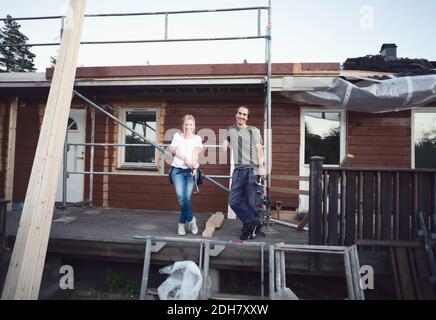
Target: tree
(12, 58)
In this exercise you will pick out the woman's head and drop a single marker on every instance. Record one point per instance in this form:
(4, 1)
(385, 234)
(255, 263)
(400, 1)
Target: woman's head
(188, 124)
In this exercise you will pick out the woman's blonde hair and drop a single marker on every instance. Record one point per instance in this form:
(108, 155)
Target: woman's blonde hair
(185, 119)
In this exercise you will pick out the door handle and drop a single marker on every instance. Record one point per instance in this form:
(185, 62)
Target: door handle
(81, 158)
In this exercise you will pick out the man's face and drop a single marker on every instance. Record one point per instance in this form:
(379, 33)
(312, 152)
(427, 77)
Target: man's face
(242, 116)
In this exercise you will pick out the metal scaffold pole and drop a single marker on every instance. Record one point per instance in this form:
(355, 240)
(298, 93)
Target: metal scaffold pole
(267, 127)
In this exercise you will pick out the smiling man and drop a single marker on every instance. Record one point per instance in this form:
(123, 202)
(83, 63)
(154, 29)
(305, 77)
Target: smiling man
(244, 198)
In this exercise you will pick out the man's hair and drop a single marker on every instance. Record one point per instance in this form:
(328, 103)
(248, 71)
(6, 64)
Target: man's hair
(245, 107)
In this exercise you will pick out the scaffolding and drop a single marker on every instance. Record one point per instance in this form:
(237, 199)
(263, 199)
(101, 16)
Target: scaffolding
(267, 82)
(208, 248)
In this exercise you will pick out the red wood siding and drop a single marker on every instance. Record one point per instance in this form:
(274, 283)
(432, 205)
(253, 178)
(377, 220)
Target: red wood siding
(26, 142)
(4, 131)
(380, 140)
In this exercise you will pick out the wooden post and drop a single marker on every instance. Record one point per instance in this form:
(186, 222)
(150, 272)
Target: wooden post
(25, 270)
(10, 156)
(315, 200)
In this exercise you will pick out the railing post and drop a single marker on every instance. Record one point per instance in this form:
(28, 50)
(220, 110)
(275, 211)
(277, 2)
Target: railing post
(315, 201)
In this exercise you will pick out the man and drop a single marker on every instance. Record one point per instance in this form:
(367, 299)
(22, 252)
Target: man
(244, 198)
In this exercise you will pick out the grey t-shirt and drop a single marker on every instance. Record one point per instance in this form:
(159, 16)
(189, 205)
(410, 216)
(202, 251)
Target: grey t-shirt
(243, 142)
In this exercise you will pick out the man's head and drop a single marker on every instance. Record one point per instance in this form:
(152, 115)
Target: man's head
(242, 116)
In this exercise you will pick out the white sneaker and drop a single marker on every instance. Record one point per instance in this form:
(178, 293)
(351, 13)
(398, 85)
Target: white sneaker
(192, 226)
(181, 230)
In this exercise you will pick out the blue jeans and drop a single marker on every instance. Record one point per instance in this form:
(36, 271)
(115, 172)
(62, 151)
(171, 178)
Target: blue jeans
(184, 185)
(244, 198)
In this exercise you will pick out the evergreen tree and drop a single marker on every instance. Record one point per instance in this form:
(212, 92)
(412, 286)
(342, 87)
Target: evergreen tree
(15, 59)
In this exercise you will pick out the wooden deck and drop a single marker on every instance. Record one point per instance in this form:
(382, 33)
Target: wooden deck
(108, 234)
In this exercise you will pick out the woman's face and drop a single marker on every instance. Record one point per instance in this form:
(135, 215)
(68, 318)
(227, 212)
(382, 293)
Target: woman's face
(189, 126)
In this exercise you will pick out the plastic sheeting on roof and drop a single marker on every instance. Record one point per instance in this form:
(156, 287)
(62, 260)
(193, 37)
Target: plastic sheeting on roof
(393, 94)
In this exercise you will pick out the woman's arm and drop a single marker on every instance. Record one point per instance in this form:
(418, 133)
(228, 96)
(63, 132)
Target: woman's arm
(177, 153)
(195, 154)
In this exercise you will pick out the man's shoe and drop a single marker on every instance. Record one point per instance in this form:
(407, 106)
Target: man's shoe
(248, 234)
(257, 230)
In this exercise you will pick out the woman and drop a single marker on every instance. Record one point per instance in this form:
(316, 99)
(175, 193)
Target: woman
(185, 148)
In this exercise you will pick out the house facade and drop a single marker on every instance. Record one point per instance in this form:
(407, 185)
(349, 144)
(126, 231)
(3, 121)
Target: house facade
(153, 99)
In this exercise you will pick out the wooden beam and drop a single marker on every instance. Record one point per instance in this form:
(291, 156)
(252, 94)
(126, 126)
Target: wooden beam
(25, 270)
(290, 178)
(290, 191)
(10, 156)
(2, 115)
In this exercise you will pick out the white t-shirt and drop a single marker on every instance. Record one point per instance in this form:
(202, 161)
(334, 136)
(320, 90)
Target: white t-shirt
(186, 147)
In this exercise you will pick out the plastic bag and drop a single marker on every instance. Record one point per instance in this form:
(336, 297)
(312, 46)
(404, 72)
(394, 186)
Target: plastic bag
(184, 281)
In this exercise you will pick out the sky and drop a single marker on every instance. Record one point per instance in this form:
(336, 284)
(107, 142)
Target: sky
(302, 31)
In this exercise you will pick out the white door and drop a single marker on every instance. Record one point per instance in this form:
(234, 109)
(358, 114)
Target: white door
(75, 158)
(323, 133)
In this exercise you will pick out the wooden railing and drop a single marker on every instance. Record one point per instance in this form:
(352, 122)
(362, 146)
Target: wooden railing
(346, 204)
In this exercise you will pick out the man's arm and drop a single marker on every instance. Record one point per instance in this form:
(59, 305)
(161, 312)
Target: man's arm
(261, 158)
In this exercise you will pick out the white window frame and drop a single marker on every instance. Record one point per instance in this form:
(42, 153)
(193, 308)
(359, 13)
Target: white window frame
(343, 138)
(431, 109)
(121, 154)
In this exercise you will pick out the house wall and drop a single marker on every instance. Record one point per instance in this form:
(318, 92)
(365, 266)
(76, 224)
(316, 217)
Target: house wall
(374, 140)
(4, 129)
(28, 127)
(155, 193)
(380, 140)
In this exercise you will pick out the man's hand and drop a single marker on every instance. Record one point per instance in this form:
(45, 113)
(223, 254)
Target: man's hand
(225, 145)
(261, 171)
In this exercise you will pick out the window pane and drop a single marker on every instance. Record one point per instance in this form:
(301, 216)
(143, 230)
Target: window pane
(425, 140)
(322, 136)
(72, 125)
(145, 124)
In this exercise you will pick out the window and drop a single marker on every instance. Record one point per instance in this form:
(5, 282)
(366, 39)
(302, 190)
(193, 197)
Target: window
(143, 121)
(322, 132)
(424, 124)
(72, 125)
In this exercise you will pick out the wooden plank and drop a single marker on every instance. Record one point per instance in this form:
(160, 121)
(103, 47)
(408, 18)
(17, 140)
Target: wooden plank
(25, 271)
(333, 209)
(405, 203)
(396, 223)
(289, 178)
(315, 201)
(351, 208)
(214, 222)
(424, 274)
(424, 187)
(386, 205)
(413, 272)
(2, 116)
(343, 184)
(324, 213)
(360, 212)
(389, 243)
(368, 205)
(394, 266)
(290, 191)
(406, 281)
(377, 218)
(10, 157)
